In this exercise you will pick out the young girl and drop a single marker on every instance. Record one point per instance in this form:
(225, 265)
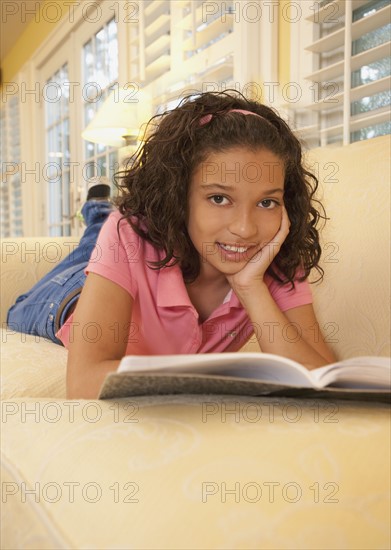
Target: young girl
(213, 239)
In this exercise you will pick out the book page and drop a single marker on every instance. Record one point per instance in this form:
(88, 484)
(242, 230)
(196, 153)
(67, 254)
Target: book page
(251, 366)
(356, 373)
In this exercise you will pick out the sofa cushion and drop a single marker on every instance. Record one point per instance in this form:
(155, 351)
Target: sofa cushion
(31, 366)
(202, 472)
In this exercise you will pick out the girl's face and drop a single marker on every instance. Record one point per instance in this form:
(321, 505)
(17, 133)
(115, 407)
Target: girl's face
(235, 207)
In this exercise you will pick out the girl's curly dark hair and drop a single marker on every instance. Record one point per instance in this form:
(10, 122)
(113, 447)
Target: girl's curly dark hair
(154, 186)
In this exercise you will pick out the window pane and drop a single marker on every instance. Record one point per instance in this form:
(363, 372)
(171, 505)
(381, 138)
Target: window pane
(88, 61)
(90, 170)
(113, 165)
(101, 67)
(371, 102)
(66, 194)
(58, 152)
(102, 166)
(372, 131)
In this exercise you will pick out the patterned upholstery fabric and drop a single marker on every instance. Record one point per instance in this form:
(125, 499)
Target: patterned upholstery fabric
(209, 471)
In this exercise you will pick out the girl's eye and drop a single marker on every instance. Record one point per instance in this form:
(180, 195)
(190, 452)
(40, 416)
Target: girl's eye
(218, 199)
(269, 204)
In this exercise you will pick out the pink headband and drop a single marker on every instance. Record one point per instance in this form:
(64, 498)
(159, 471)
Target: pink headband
(207, 118)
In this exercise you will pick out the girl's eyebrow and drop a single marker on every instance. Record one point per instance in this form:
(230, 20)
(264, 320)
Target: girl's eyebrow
(231, 188)
(217, 186)
(275, 190)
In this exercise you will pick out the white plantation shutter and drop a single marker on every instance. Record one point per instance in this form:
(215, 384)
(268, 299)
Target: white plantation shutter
(155, 37)
(11, 213)
(182, 45)
(208, 30)
(150, 42)
(350, 77)
(4, 195)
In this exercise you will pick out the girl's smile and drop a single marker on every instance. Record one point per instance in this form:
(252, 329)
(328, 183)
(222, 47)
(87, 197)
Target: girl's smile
(236, 252)
(235, 207)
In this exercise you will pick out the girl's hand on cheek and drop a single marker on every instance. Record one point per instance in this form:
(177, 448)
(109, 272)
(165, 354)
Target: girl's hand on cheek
(252, 274)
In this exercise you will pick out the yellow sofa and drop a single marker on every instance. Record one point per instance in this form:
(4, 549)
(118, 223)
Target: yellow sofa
(204, 471)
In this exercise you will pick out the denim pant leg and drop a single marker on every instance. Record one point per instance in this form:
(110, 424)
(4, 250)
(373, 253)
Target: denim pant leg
(36, 311)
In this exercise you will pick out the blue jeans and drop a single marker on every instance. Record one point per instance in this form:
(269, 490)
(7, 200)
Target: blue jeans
(44, 308)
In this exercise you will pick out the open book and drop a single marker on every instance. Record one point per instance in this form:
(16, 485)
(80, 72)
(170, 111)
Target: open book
(253, 374)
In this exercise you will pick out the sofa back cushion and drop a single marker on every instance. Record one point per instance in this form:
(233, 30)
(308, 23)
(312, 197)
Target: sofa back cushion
(351, 303)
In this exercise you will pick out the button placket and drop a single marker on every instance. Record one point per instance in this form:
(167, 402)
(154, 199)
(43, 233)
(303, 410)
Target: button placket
(196, 339)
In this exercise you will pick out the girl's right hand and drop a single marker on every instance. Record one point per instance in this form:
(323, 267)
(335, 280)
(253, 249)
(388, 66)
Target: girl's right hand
(246, 281)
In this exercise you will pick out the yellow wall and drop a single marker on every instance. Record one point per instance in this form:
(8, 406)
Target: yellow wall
(36, 32)
(284, 47)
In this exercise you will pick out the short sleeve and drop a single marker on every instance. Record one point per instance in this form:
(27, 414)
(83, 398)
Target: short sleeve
(287, 297)
(116, 251)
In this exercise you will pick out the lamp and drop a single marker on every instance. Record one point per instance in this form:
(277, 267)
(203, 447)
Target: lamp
(117, 123)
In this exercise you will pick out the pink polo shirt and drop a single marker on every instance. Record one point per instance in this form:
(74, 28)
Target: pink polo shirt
(164, 321)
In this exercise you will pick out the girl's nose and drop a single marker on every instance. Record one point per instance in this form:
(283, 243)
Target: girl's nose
(243, 225)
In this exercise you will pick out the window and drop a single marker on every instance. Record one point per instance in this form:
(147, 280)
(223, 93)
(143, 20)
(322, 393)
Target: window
(74, 69)
(167, 47)
(348, 96)
(58, 153)
(100, 76)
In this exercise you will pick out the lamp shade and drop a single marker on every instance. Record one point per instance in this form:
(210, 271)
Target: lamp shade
(119, 119)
